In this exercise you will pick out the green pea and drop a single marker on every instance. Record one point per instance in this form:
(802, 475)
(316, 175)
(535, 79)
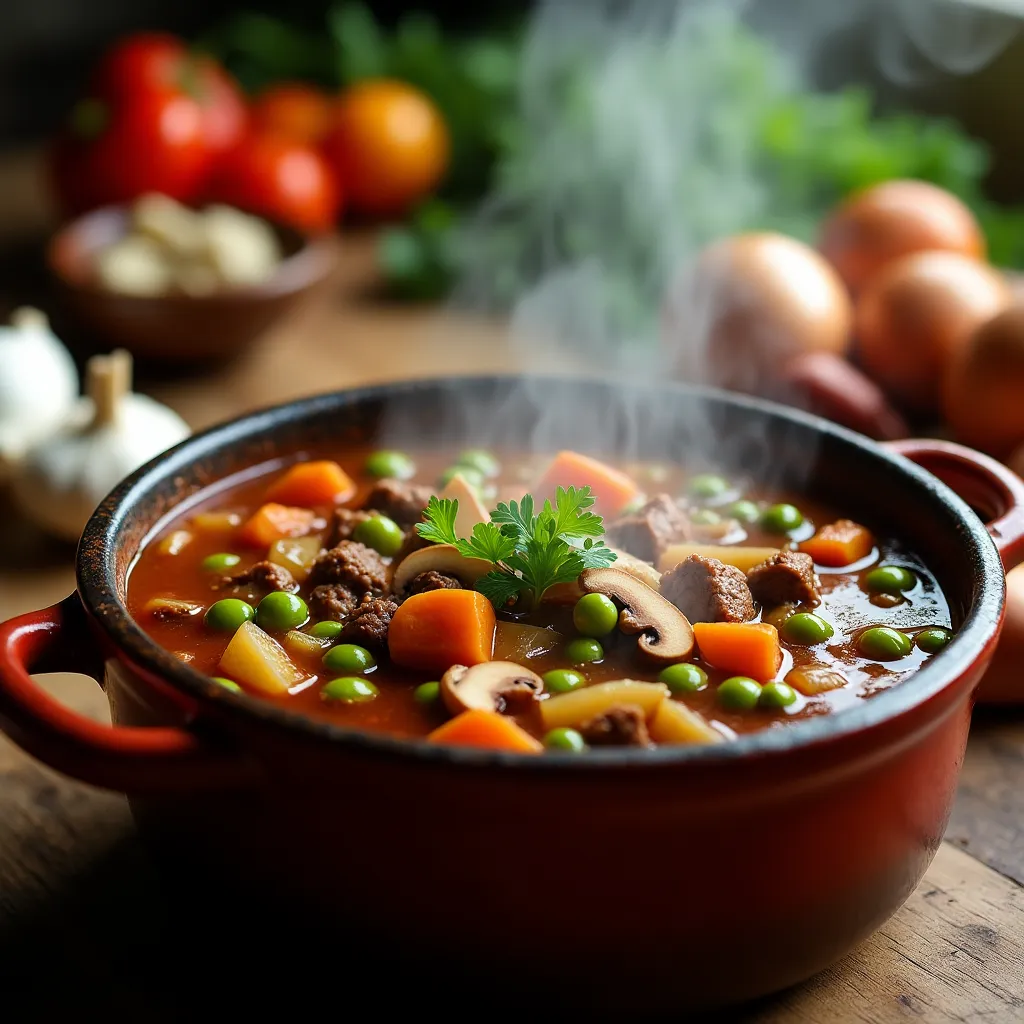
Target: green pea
(932, 640)
(706, 486)
(381, 534)
(595, 615)
(884, 643)
(745, 511)
(326, 630)
(776, 695)
(280, 611)
(427, 693)
(349, 658)
(633, 505)
(228, 614)
(565, 739)
(583, 650)
(228, 684)
(684, 678)
(483, 462)
(562, 680)
(470, 474)
(781, 518)
(739, 693)
(388, 463)
(890, 579)
(705, 517)
(349, 690)
(806, 629)
(220, 562)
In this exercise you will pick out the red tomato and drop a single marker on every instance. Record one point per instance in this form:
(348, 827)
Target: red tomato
(150, 143)
(148, 59)
(281, 180)
(156, 119)
(294, 110)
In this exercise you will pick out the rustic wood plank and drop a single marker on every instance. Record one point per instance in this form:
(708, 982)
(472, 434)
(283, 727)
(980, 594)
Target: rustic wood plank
(988, 818)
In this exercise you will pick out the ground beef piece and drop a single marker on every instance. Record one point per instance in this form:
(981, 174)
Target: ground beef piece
(400, 501)
(620, 726)
(352, 564)
(260, 579)
(785, 578)
(333, 601)
(707, 590)
(369, 624)
(647, 532)
(345, 522)
(431, 580)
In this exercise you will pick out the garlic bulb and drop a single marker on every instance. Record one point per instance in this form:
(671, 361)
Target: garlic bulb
(38, 384)
(107, 435)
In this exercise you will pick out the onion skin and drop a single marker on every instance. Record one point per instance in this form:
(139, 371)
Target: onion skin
(915, 316)
(829, 386)
(881, 224)
(747, 305)
(983, 391)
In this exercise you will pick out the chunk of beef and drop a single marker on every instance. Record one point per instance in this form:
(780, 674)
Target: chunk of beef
(368, 625)
(353, 564)
(345, 522)
(785, 578)
(259, 580)
(333, 601)
(431, 580)
(707, 590)
(403, 502)
(647, 532)
(622, 725)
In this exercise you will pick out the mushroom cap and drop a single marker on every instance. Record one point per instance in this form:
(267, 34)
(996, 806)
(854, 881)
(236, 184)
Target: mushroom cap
(665, 632)
(570, 593)
(490, 686)
(443, 558)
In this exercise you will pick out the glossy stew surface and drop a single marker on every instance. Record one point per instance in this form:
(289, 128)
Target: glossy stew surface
(185, 563)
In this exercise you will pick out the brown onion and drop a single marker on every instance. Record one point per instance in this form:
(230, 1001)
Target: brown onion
(915, 316)
(885, 222)
(747, 305)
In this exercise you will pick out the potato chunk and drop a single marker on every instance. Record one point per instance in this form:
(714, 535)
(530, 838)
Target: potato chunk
(572, 708)
(296, 554)
(676, 723)
(257, 660)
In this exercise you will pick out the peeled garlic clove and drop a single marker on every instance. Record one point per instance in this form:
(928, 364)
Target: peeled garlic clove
(108, 435)
(38, 383)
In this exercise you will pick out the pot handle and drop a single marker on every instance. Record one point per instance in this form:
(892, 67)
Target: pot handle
(995, 492)
(130, 759)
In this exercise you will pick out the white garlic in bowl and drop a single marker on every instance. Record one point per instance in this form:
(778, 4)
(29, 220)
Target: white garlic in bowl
(38, 384)
(108, 434)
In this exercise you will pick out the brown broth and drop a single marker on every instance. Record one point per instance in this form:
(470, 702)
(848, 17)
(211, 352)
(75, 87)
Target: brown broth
(845, 604)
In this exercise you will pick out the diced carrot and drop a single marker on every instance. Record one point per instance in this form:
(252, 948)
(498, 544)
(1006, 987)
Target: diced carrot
(312, 483)
(441, 628)
(271, 522)
(612, 489)
(746, 648)
(840, 543)
(485, 729)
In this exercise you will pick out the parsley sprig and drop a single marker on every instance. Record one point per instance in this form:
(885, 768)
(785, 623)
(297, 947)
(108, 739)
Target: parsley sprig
(531, 551)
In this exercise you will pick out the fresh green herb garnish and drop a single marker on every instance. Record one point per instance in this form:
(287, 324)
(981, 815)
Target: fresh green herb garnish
(531, 551)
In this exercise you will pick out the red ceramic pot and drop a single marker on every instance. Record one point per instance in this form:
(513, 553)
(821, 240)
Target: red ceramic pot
(675, 878)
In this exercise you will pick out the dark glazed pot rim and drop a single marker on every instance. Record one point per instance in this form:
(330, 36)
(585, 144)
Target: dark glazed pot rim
(97, 585)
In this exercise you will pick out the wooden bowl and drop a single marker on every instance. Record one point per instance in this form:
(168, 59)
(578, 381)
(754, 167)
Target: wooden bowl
(178, 328)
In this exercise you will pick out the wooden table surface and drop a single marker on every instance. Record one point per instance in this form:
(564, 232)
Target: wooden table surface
(89, 926)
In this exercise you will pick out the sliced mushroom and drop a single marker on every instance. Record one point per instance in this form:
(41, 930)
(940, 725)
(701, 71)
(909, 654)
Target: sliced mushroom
(665, 632)
(501, 686)
(442, 558)
(471, 508)
(570, 593)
